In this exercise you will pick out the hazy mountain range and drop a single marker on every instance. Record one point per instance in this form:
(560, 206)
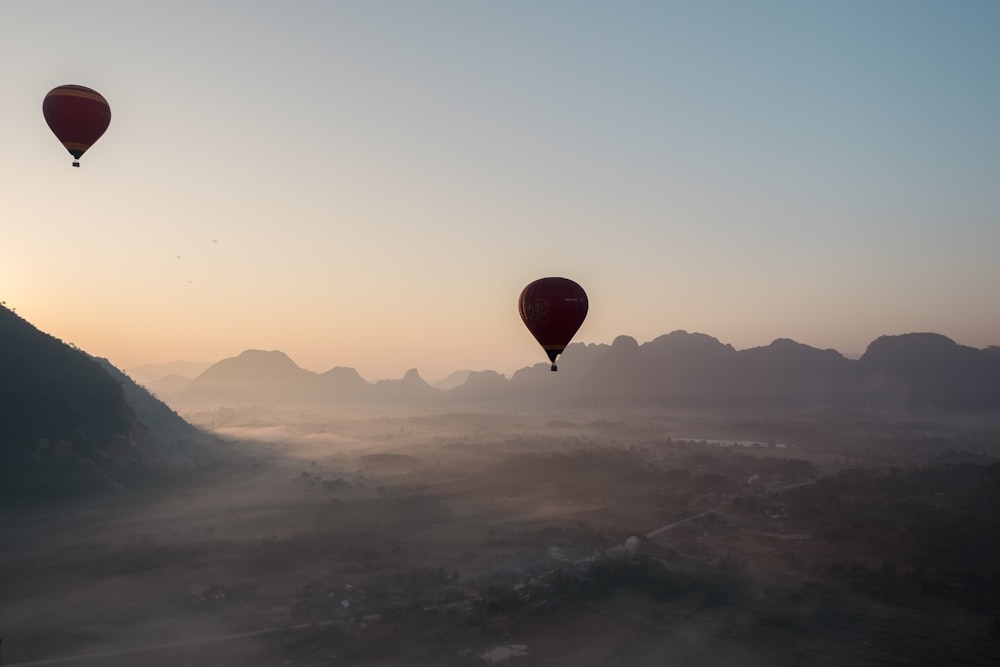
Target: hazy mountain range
(917, 371)
(70, 421)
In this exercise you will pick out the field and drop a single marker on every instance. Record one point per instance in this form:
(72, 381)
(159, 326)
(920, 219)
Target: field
(379, 538)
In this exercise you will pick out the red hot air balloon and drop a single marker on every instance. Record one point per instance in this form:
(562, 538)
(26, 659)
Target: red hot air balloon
(553, 310)
(78, 116)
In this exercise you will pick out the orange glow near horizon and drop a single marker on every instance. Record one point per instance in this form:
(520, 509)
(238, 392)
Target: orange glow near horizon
(374, 192)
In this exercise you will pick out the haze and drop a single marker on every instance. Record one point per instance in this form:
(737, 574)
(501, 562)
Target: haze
(298, 203)
(371, 184)
(589, 537)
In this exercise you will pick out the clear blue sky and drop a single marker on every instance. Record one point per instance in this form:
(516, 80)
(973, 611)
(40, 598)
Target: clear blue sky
(372, 183)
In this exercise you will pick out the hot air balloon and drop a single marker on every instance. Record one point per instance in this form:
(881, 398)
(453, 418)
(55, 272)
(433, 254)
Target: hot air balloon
(78, 116)
(553, 310)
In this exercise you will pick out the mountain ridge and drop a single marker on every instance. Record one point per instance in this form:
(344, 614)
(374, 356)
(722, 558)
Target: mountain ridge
(916, 371)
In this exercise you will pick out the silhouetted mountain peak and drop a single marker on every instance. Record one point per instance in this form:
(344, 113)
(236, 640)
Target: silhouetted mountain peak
(786, 344)
(483, 385)
(682, 341)
(486, 376)
(921, 352)
(625, 343)
(252, 365)
(791, 352)
(344, 375)
(272, 359)
(253, 376)
(935, 371)
(909, 344)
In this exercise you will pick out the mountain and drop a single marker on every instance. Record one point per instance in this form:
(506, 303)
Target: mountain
(792, 375)
(693, 370)
(682, 369)
(483, 387)
(412, 388)
(342, 383)
(149, 373)
(155, 417)
(254, 377)
(70, 422)
(454, 379)
(931, 371)
(675, 370)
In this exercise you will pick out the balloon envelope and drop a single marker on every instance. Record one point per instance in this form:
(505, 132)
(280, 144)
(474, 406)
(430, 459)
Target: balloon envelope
(553, 310)
(77, 115)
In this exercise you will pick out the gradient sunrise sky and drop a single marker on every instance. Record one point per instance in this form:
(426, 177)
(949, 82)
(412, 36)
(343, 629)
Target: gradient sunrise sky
(372, 183)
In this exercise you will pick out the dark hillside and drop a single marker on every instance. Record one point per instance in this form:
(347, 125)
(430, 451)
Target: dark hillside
(58, 409)
(174, 441)
(51, 390)
(67, 424)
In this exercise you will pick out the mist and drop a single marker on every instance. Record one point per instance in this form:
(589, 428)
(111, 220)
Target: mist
(424, 536)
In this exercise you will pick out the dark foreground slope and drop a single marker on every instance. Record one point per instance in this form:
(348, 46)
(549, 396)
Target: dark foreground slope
(71, 423)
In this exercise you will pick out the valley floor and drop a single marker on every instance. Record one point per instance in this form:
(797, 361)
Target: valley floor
(472, 539)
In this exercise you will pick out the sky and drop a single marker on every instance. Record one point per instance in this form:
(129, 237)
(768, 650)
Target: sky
(372, 183)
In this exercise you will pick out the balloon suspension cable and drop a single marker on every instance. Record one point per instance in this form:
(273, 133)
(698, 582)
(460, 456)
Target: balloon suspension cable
(553, 369)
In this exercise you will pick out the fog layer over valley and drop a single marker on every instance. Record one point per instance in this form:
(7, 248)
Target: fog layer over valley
(568, 524)
(530, 537)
